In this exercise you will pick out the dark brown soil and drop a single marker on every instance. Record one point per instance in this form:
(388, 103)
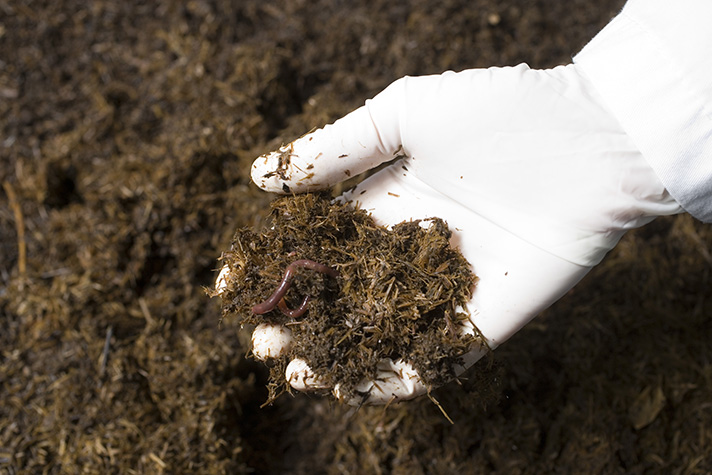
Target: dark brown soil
(128, 129)
(375, 293)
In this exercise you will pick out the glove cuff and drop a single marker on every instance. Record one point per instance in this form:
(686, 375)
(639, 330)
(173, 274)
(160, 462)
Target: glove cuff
(652, 67)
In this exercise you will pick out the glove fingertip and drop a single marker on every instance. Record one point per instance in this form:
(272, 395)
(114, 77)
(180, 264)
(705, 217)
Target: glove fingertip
(271, 341)
(301, 377)
(283, 171)
(396, 381)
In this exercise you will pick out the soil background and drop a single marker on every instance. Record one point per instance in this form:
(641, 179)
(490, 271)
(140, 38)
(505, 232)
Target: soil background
(126, 133)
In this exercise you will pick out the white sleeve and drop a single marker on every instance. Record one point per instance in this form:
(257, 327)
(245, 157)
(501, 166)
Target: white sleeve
(653, 66)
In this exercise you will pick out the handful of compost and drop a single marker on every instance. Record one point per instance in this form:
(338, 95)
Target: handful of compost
(342, 304)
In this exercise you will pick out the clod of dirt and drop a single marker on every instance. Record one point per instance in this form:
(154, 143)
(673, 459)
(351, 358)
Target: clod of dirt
(359, 292)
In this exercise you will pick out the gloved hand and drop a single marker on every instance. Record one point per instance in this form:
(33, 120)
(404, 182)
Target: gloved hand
(529, 168)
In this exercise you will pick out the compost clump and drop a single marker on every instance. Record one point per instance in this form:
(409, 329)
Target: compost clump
(356, 292)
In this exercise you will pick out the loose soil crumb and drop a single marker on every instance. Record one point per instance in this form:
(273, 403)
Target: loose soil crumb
(399, 292)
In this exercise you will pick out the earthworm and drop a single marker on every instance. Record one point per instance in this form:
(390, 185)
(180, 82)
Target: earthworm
(293, 313)
(277, 298)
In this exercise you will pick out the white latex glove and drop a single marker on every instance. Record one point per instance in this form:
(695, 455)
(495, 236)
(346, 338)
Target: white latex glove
(530, 170)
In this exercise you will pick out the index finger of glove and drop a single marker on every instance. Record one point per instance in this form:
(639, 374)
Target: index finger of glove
(357, 142)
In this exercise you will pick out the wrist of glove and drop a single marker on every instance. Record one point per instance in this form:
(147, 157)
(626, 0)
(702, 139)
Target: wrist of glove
(531, 171)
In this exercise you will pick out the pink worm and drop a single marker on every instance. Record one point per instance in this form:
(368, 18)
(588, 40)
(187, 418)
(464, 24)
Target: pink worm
(277, 298)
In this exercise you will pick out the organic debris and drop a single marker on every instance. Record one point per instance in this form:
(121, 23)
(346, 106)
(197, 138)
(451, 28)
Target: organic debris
(360, 292)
